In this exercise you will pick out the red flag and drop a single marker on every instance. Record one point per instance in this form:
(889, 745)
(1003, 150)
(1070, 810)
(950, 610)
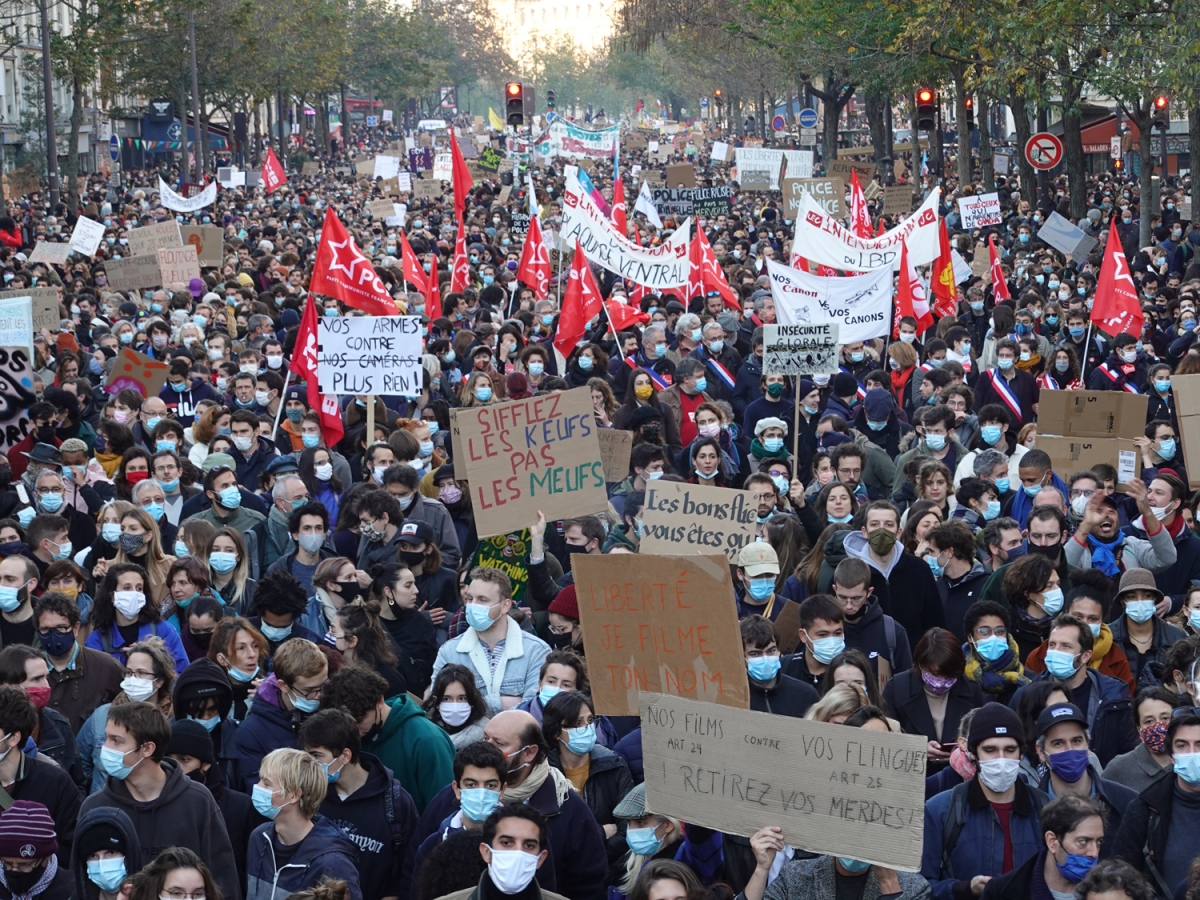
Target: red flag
(304, 366)
(581, 303)
(860, 218)
(460, 274)
(618, 207)
(433, 290)
(999, 285)
(623, 316)
(941, 276)
(342, 271)
(910, 296)
(712, 277)
(534, 268)
(1116, 309)
(273, 175)
(413, 273)
(879, 231)
(462, 176)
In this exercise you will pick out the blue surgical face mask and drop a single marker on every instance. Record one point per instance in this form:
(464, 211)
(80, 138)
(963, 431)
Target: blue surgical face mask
(1162, 386)
(581, 740)
(761, 588)
(1052, 601)
(231, 497)
(261, 798)
(1187, 767)
(1077, 866)
(1060, 664)
(991, 647)
(1005, 362)
(934, 566)
(991, 434)
(935, 441)
(1031, 490)
(992, 511)
(156, 511)
(242, 676)
(479, 803)
(877, 426)
(111, 532)
(222, 562)
(209, 725)
(1166, 449)
(479, 616)
(773, 445)
(107, 874)
(276, 633)
(825, 649)
(853, 866)
(1140, 610)
(310, 440)
(763, 668)
(113, 762)
(642, 841)
(1076, 332)
(1002, 485)
(483, 393)
(701, 384)
(548, 691)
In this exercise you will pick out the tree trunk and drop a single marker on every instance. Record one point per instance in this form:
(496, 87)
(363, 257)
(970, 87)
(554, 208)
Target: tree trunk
(205, 146)
(270, 105)
(874, 105)
(1194, 142)
(1073, 151)
(250, 153)
(1149, 205)
(1024, 132)
(986, 160)
(961, 126)
(70, 167)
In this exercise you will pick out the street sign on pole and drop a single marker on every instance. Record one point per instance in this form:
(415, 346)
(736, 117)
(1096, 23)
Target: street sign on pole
(808, 137)
(704, 103)
(778, 124)
(1044, 150)
(808, 118)
(114, 147)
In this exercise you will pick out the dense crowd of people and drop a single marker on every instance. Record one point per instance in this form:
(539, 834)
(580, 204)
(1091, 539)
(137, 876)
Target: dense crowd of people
(244, 655)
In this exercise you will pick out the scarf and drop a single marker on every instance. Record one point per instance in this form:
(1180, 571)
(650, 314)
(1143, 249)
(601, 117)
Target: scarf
(537, 777)
(997, 677)
(109, 462)
(1104, 556)
(51, 870)
(758, 451)
(1100, 646)
(1028, 365)
(899, 379)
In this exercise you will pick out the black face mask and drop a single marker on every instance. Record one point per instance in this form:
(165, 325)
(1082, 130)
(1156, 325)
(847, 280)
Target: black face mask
(45, 433)
(413, 558)
(23, 882)
(350, 590)
(202, 639)
(6, 475)
(1051, 553)
(560, 641)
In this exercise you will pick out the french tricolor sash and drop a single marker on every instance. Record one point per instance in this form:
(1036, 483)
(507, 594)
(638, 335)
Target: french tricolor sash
(654, 376)
(1006, 394)
(861, 391)
(721, 372)
(1114, 378)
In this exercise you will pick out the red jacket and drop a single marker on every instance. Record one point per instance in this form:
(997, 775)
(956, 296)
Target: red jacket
(12, 238)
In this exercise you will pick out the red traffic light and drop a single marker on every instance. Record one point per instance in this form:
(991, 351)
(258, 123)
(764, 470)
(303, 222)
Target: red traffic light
(513, 89)
(925, 95)
(970, 102)
(1161, 101)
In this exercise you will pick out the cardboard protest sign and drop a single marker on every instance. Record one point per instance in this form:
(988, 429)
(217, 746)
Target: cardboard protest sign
(721, 152)
(799, 163)
(841, 168)
(832, 789)
(755, 180)
(1078, 454)
(22, 181)
(386, 167)
(827, 193)
(378, 355)
(1186, 391)
(86, 236)
(178, 265)
(46, 312)
(615, 447)
(710, 202)
(672, 202)
(1066, 238)
(529, 455)
(664, 625)
(490, 159)
(208, 240)
(310, 168)
(681, 175)
(423, 189)
(145, 241)
(47, 252)
(683, 519)
(138, 372)
(1080, 429)
(133, 273)
(787, 626)
(801, 349)
(365, 166)
(897, 199)
(443, 167)
(16, 321)
(757, 160)
(979, 210)
(380, 209)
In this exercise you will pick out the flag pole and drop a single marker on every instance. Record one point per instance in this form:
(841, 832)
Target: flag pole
(1087, 343)
(796, 431)
(282, 402)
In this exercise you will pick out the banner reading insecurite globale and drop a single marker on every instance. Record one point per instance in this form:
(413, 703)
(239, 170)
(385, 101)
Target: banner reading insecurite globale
(564, 139)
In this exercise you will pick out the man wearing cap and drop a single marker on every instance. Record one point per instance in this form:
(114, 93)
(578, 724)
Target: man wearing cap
(42, 430)
(1062, 745)
(986, 826)
(757, 571)
(29, 853)
(106, 853)
(1143, 636)
(879, 421)
(402, 481)
(843, 397)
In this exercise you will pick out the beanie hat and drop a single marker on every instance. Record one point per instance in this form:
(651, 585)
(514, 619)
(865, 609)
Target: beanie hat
(644, 414)
(189, 738)
(807, 386)
(27, 831)
(845, 384)
(101, 836)
(566, 604)
(994, 720)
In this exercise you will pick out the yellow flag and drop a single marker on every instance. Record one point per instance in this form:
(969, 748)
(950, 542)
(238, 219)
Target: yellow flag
(494, 120)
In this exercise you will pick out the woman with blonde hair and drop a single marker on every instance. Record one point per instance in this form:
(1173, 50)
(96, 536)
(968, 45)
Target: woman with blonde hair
(242, 651)
(229, 568)
(428, 452)
(649, 837)
(841, 700)
(477, 390)
(150, 673)
(902, 359)
(108, 536)
(207, 427)
(141, 543)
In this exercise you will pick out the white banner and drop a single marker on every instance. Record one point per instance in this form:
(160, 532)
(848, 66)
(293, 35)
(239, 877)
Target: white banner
(665, 267)
(860, 304)
(979, 210)
(820, 239)
(180, 203)
(564, 139)
(758, 159)
(86, 236)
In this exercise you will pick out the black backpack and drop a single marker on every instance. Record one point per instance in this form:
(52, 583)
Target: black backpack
(956, 818)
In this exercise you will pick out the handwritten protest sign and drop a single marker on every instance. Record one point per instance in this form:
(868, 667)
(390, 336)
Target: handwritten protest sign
(133, 273)
(799, 163)
(208, 241)
(369, 355)
(832, 789)
(386, 167)
(654, 624)
(529, 455)
(178, 265)
(689, 518)
(675, 202)
(86, 236)
(309, 169)
(144, 241)
(828, 193)
(897, 199)
(422, 189)
(138, 372)
(710, 202)
(47, 252)
(16, 322)
(615, 446)
(841, 168)
(801, 349)
(762, 163)
(979, 210)
(46, 311)
(380, 209)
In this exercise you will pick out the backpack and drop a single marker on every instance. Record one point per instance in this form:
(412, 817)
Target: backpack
(393, 798)
(956, 818)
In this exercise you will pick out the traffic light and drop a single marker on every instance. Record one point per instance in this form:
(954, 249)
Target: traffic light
(1162, 112)
(514, 104)
(926, 109)
(550, 100)
(717, 98)
(970, 114)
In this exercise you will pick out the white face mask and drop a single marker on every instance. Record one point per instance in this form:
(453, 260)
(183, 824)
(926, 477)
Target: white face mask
(512, 870)
(1079, 506)
(999, 774)
(454, 714)
(1160, 512)
(243, 443)
(323, 472)
(129, 603)
(137, 689)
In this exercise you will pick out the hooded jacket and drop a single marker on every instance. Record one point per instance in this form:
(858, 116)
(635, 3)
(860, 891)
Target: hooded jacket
(325, 853)
(872, 635)
(202, 680)
(419, 752)
(183, 815)
(268, 727)
(85, 888)
(380, 819)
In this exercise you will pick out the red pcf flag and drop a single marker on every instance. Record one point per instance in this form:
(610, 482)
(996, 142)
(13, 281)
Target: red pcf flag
(618, 207)
(581, 304)
(342, 271)
(433, 290)
(712, 276)
(534, 269)
(304, 366)
(463, 182)
(460, 273)
(941, 277)
(413, 273)
(999, 285)
(1116, 308)
(910, 296)
(623, 316)
(860, 218)
(273, 175)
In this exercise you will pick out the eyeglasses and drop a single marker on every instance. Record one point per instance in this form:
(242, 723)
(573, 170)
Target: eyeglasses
(311, 693)
(60, 630)
(24, 866)
(176, 894)
(1081, 493)
(138, 673)
(984, 631)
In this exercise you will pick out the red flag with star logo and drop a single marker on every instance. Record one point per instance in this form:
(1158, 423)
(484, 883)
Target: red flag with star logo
(910, 296)
(342, 271)
(623, 316)
(304, 366)
(706, 273)
(999, 285)
(413, 273)
(581, 303)
(1116, 308)
(272, 175)
(618, 207)
(433, 290)
(534, 269)
(860, 218)
(941, 276)
(460, 273)
(463, 182)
